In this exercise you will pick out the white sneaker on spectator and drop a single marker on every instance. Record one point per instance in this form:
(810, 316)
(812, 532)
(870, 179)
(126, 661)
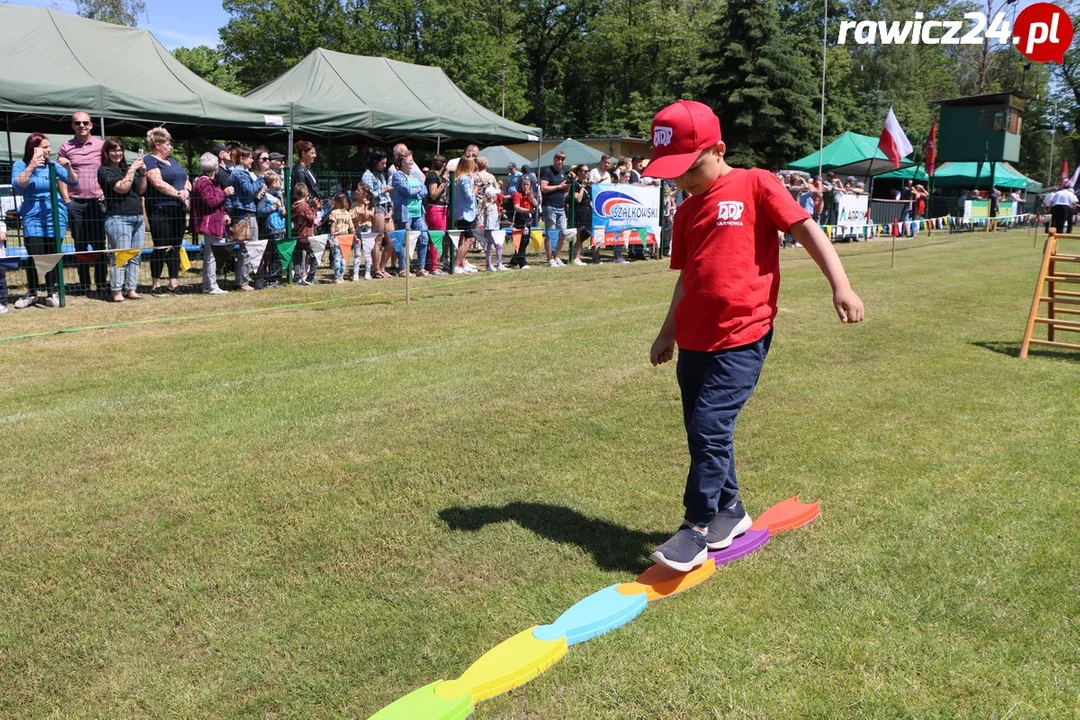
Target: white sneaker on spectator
(437, 271)
(356, 276)
(525, 267)
(215, 291)
(3, 309)
(621, 261)
(553, 262)
(578, 262)
(561, 263)
(503, 268)
(471, 269)
(52, 301)
(25, 301)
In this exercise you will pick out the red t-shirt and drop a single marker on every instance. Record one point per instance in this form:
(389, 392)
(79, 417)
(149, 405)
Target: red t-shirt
(523, 201)
(725, 242)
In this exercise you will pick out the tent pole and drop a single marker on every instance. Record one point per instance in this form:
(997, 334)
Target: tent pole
(438, 144)
(103, 126)
(7, 124)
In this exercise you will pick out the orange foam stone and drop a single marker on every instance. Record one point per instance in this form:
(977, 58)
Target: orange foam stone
(660, 581)
(512, 662)
(786, 515)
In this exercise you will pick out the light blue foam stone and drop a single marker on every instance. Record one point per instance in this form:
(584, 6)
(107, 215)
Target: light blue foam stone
(602, 611)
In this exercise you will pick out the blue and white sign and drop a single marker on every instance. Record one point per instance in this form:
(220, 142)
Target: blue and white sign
(625, 207)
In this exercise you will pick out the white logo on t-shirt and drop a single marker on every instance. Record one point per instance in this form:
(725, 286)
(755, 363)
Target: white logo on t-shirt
(729, 212)
(661, 136)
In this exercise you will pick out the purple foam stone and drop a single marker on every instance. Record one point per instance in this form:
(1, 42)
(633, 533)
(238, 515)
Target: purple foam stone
(743, 545)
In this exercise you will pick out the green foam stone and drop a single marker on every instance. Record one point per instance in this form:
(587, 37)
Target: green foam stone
(424, 704)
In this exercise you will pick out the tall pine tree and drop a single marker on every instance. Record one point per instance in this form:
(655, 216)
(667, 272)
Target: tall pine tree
(762, 89)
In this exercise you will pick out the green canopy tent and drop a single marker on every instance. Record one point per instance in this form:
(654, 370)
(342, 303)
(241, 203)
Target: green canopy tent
(336, 93)
(55, 63)
(915, 172)
(849, 154)
(576, 153)
(970, 175)
(499, 158)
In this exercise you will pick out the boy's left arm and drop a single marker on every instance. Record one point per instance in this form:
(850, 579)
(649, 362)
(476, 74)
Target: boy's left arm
(848, 305)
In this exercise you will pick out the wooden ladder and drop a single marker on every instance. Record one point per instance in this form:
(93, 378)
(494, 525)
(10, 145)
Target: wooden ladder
(1058, 302)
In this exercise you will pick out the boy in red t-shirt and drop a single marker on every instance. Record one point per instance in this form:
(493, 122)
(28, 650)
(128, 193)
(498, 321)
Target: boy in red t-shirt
(726, 246)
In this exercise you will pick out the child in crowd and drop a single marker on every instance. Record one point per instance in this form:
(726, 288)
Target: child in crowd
(722, 310)
(3, 271)
(272, 219)
(341, 223)
(303, 228)
(363, 210)
(492, 220)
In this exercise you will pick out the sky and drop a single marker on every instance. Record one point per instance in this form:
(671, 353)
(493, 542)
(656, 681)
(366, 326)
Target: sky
(187, 23)
(196, 22)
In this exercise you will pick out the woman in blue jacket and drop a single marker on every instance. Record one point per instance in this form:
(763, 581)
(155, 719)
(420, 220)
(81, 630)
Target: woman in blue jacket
(408, 195)
(248, 189)
(30, 179)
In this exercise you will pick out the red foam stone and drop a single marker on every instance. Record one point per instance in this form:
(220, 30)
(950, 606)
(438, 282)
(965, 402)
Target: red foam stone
(786, 515)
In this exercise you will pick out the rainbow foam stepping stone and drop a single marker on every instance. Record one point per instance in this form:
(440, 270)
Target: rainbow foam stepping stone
(743, 545)
(786, 515)
(424, 703)
(597, 614)
(660, 581)
(512, 662)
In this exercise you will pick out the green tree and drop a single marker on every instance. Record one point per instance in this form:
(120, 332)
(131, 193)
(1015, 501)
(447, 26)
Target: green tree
(209, 64)
(117, 12)
(760, 89)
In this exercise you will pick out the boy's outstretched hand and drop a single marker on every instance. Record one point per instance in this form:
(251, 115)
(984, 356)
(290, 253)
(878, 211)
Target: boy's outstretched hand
(663, 349)
(848, 306)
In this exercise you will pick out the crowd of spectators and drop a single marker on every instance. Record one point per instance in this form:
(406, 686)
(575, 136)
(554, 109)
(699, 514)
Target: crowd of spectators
(238, 197)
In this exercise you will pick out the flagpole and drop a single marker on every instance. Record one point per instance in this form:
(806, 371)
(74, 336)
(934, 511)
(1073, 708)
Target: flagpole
(824, 47)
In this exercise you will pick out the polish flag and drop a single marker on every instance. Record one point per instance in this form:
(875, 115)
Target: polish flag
(894, 142)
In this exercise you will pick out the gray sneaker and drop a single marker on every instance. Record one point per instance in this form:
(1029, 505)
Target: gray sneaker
(52, 301)
(25, 301)
(683, 552)
(727, 525)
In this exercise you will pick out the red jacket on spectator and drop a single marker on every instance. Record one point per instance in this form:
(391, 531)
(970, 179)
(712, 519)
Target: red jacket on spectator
(303, 219)
(208, 208)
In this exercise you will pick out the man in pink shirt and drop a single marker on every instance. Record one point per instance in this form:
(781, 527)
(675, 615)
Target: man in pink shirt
(86, 209)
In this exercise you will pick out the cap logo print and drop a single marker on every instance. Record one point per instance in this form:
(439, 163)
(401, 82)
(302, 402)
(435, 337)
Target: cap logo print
(661, 136)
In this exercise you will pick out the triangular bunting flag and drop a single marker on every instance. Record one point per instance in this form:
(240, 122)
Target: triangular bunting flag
(436, 236)
(318, 246)
(655, 233)
(643, 233)
(185, 262)
(255, 249)
(285, 250)
(45, 263)
(553, 238)
(497, 236)
(123, 256)
(397, 237)
(536, 240)
(89, 256)
(455, 237)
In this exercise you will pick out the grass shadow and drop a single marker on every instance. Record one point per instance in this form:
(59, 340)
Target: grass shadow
(613, 547)
(1012, 349)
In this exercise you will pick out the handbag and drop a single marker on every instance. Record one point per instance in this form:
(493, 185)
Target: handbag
(240, 231)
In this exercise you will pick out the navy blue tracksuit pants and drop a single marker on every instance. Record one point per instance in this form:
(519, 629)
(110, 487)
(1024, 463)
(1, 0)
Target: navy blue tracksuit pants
(715, 386)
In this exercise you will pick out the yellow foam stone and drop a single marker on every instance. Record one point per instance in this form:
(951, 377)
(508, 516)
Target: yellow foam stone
(511, 663)
(660, 582)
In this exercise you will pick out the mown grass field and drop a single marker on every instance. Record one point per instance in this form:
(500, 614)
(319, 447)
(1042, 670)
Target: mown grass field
(308, 512)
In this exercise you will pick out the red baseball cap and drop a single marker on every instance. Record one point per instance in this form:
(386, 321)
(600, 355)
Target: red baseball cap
(679, 133)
